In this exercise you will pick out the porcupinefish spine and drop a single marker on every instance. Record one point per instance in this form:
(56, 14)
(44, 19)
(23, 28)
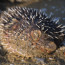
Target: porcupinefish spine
(43, 22)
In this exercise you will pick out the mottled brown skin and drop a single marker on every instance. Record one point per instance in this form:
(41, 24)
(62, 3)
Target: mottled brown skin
(30, 42)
